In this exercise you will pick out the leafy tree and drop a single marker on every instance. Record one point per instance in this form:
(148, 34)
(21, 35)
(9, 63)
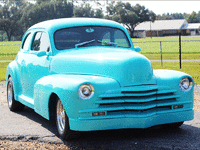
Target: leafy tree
(85, 10)
(10, 20)
(129, 16)
(98, 13)
(42, 1)
(193, 18)
(171, 16)
(35, 13)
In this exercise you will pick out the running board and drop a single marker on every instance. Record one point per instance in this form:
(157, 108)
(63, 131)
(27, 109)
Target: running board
(26, 101)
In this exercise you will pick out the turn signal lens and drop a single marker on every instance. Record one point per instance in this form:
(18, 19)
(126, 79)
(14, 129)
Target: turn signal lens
(98, 114)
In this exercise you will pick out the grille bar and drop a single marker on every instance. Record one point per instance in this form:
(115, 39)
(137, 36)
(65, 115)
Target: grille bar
(127, 94)
(122, 100)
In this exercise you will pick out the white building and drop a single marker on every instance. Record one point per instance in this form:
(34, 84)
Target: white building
(161, 28)
(193, 29)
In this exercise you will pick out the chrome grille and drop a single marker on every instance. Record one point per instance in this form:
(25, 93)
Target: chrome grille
(137, 99)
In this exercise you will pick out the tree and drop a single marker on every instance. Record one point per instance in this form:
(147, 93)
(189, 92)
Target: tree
(98, 13)
(129, 16)
(35, 13)
(193, 18)
(171, 16)
(42, 1)
(10, 20)
(85, 10)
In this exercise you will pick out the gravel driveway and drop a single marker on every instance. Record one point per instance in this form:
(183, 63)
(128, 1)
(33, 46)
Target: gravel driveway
(185, 138)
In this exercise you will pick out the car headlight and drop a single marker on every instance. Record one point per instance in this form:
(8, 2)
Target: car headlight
(86, 91)
(186, 84)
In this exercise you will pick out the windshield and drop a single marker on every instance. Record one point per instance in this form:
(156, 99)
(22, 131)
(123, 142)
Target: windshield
(90, 36)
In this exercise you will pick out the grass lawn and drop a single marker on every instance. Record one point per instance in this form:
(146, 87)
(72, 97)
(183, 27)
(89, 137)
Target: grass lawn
(10, 42)
(9, 50)
(191, 68)
(170, 50)
(172, 56)
(3, 66)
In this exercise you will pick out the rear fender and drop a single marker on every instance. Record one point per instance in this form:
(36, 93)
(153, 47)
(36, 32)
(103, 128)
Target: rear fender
(13, 71)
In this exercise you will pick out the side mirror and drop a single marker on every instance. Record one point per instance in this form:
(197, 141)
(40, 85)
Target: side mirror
(41, 53)
(137, 49)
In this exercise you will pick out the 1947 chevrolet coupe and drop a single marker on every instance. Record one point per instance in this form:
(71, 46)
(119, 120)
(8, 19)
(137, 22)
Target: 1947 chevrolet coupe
(85, 75)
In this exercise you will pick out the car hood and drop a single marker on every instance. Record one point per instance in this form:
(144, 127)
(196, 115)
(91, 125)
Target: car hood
(125, 66)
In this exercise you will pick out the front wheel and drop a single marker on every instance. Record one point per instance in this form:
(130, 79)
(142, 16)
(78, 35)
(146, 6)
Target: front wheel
(62, 123)
(12, 103)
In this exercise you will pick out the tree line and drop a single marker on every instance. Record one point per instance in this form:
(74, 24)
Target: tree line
(194, 17)
(16, 16)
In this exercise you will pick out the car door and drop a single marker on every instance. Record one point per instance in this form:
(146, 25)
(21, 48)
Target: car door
(21, 60)
(37, 61)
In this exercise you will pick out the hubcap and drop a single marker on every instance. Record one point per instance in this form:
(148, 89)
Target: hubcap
(10, 94)
(60, 116)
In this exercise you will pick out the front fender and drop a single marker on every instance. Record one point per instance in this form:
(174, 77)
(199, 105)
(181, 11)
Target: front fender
(66, 88)
(172, 79)
(13, 71)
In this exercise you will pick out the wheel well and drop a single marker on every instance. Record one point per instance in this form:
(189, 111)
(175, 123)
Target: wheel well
(9, 76)
(52, 107)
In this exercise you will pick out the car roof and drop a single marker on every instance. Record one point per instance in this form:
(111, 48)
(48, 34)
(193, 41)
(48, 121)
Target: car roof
(55, 24)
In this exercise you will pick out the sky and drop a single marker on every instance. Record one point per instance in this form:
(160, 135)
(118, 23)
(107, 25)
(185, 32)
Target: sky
(160, 7)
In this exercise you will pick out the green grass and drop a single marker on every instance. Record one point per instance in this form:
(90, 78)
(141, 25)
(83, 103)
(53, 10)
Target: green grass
(10, 42)
(3, 66)
(9, 51)
(191, 68)
(173, 56)
(170, 50)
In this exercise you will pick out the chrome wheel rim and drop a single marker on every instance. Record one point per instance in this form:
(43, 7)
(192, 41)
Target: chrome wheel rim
(60, 117)
(10, 94)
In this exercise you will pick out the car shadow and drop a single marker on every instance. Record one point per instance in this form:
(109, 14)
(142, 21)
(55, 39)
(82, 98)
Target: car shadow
(186, 137)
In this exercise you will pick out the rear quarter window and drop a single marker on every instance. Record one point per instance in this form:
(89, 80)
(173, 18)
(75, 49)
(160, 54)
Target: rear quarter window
(26, 42)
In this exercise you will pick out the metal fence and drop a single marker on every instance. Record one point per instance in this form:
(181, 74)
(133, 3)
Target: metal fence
(170, 50)
(154, 50)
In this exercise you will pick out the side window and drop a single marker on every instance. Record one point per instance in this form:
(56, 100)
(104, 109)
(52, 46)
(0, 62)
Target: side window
(40, 42)
(26, 42)
(44, 45)
(36, 42)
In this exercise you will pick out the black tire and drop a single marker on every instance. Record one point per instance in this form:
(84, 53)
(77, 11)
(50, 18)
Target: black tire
(173, 125)
(13, 105)
(62, 123)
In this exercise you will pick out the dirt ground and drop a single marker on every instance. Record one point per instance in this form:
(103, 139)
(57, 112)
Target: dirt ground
(16, 145)
(19, 145)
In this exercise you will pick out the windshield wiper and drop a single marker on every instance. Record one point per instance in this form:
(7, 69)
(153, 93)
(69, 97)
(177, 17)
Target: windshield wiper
(84, 43)
(107, 43)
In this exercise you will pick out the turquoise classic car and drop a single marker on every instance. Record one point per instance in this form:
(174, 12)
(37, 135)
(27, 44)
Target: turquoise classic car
(85, 75)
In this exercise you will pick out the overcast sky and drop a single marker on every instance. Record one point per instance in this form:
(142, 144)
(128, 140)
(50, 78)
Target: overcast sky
(160, 7)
